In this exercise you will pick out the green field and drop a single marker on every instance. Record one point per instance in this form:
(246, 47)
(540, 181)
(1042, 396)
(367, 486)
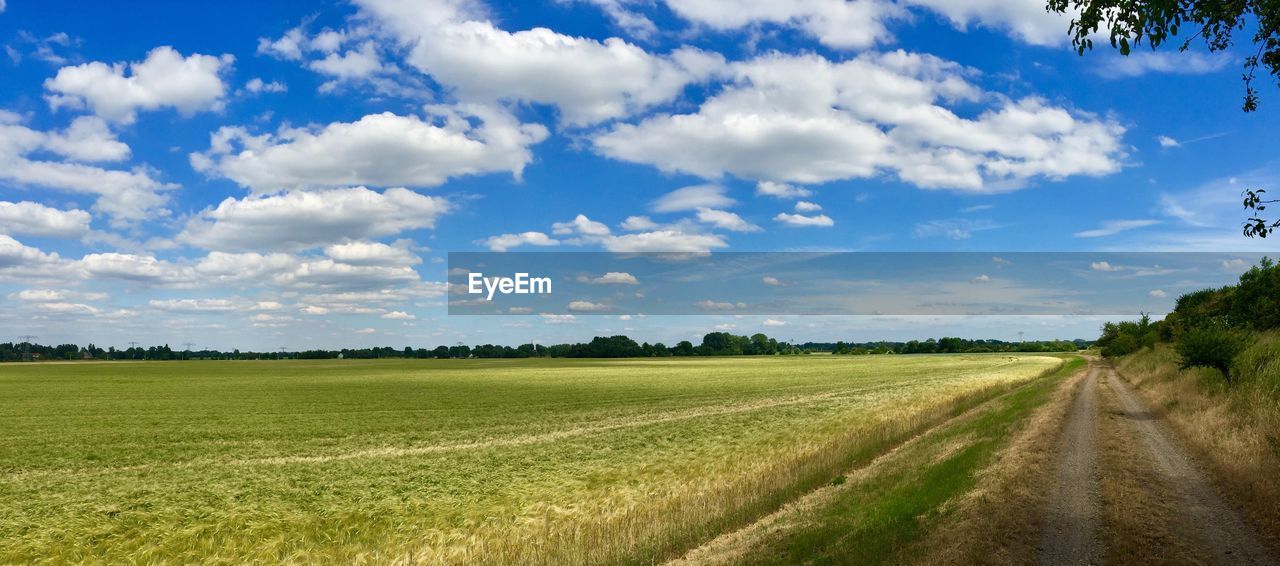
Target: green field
(552, 461)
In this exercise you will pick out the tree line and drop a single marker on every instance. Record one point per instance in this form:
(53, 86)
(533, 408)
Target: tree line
(713, 344)
(1209, 327)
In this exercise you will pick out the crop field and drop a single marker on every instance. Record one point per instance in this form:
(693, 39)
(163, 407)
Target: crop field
(531, 461)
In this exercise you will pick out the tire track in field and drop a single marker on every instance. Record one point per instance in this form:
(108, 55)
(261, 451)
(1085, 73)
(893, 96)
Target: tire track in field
(1072, 524)
(393, 451)
(1218, 527)
(515, 441)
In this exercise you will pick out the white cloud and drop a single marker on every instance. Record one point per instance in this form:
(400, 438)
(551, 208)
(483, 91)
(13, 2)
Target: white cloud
(773, 323)
(820, 220)
(36, 219)
(982, 278)
(1113, 227)
(398, 315)
(305, 219)
(663, 241)
(87, 139)
(804, 119)
(860, 24)
(771, 281)
(580, 225)
(354, 64)
(1026, 20)
(372, 253)
(1166, 141)
(504, 242)
(367, 331)
(638, 223)
(379, 149)
(257, 85)
(559, 318)
(836, 23)
(711, 305)
(1104, 266)
(56, 295)
(806, 206)
(781, 190)
(1158, 293)
(126, 196)
(693, 198)
(1139, 63)
(587, 306)
(588, 80)
(726, 220)
(165, 79)
(616, 278)
(196, 305)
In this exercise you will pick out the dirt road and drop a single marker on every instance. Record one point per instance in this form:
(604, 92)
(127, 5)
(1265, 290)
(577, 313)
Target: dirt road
(1075, 524)
(1072, 525)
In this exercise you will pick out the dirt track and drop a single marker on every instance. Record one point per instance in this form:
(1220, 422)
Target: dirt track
(1072, 524)
(1075, 529)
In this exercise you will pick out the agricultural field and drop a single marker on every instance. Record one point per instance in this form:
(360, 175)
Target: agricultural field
(531, 461)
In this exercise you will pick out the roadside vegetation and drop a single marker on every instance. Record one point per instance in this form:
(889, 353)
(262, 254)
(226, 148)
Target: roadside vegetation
(1212, 367)
(496, 461)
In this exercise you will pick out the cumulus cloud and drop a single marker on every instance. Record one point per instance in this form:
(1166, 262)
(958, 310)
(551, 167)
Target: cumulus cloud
(693, 198)
(820, 220)
(257, 86)
(804, 119)
(726, 220)
(616, 278)
(859, 24)
(165, 79)
(781, 190)
(587, 306)
(35, 219)
(379, 149)
(771, 281)
(638, 223)
(836, 23)
(1166, 141)
(586, 79)
(580, 225)
(806, 206)
(305, 219)
(504, 242)
(372, 253)
(1158, 293)
(127, 196)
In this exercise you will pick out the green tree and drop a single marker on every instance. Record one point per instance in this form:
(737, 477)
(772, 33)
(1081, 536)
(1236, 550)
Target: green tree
(1212, 346)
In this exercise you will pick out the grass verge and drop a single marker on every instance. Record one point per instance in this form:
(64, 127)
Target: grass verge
(876, 513)
(1234, 431)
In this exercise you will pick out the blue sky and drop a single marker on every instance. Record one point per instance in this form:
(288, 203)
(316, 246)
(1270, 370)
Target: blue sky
(294, 174)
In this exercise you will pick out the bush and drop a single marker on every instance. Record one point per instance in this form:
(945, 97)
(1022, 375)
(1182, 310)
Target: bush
(1213, 347)
(1259, 365)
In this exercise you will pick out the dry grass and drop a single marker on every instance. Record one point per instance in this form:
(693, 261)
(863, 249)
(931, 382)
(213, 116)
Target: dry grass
(999, 521)
(1235, 431)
